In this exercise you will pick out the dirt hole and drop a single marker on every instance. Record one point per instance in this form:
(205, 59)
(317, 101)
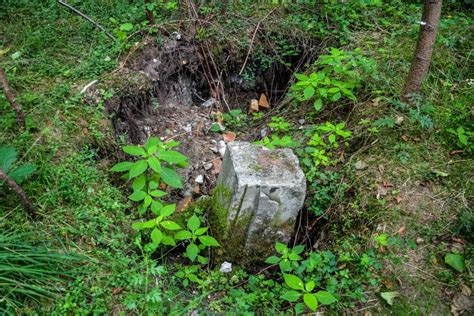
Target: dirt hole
(167, 91)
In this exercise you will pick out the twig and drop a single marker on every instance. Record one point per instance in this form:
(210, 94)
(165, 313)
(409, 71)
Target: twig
(253, 39)
(61, 2)
(20, 117)
(28, 206)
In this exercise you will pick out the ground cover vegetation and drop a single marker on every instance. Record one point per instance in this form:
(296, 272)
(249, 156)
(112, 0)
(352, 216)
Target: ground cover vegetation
(387, 224)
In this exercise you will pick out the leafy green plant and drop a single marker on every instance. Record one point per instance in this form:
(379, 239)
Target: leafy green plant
(279, 124)
(8, 156)
(333, 77)
(234, 118)
(289, 258)
(193, 234)
(277, 142)
(300, 289)
(464, 138)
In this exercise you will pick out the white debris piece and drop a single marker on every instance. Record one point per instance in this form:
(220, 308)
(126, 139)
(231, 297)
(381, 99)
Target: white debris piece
(226, 267)
(199, 179)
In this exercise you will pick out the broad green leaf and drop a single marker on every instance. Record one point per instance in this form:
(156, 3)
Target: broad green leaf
(154, 163)
(156, 236)
(310, 301)
(150, 223)
(272, 260)
(333, 90)
(318, 104)
(137, 225)
(139, 183)
(455, 261)
(138, 168)
(291, 296)
(157, 193)
(298, 249)
(336, 96)
(152, 142)
(301, 77)
(293, 282)
(299, 308)
(126, 27)
(285, 265)
(389, 296)
(122, 166)
(167, 210)
(168, 240)
(192, 251)
(21, 173)
(156, 207)
(147, 201)
(170, 177)
(137, 196)
(134, 150)
(172, 156)
(308, 92)
(280, 248)
(325, 297)
(193, 223)
(294, 257)
(152, 185)
(7, 157)
(310, 286)
(170, 225)
(182, 235)
(208, 241)
(200, 231)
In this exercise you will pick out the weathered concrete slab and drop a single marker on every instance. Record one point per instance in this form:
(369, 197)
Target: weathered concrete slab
(267, 190)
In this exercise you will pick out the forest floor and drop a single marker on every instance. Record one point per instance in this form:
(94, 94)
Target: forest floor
(396, 199)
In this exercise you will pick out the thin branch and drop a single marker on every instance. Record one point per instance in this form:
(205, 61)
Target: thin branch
(61, 2)
(253, 39)
(27, 205)
(20, 117)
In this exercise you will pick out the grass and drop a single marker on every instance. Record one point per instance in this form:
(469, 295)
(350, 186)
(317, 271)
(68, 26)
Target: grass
(58, 53)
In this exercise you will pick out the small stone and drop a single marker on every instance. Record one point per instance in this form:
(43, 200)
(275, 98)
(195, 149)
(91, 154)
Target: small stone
(208, 166)
(210, 102)
(419, 241)
(360, 165)
(399, 120)
(253, 106)
(214, 149)
(221, 147)
(188, 128)
(302, 121)
(199, 179)
(263, 133)
(263, 102)
(226, 267)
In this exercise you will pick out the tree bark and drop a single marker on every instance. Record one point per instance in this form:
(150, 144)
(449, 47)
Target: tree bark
(25, 202)
(149, 14)
(424, 48)
(20, 118)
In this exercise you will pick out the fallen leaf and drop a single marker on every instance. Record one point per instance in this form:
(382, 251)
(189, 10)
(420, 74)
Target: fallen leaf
(229, 137)
(455, 261)
(455, 152)
(388, 284)
(217, 163)
(401, 231)
(398, 198)
(117, 290)
(197, 189)
(387, 184)
(389, 296)
(184, 204)
(376, 101)
(162, 186)
(263, 102)
(219, 117)
(253, 106)
(463, 301)
(405, 137)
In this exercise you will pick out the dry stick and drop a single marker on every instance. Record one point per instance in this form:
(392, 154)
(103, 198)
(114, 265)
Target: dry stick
(20, 118)
(19, 191)
(61, 2)
(253, 39)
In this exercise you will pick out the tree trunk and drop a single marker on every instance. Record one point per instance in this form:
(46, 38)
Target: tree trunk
(149, 14)
(424, 48)
(20, 118)
(25, 202)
